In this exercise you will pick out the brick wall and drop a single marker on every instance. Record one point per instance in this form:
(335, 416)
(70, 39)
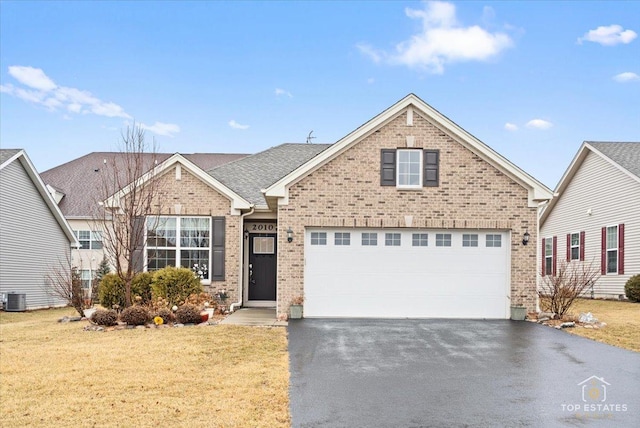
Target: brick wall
(346, 192)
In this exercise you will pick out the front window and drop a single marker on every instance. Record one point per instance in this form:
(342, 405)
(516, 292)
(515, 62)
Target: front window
(612, 249)
(89, 240)
(179, 241)
(409, 168)
(548, 256)
(575, 246)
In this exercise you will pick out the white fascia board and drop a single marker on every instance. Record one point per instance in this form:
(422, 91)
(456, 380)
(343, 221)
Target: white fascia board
(46, 196)
(538, 192)
(238, 203)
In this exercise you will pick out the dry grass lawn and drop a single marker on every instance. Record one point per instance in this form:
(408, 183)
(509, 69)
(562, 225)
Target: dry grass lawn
(55, 374)
(622, 318)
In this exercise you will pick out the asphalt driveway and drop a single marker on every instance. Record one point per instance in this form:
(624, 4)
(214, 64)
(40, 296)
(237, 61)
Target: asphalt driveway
(448, 373)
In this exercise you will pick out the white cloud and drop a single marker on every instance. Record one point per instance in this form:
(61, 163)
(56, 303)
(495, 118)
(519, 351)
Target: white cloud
(510, 126)
(539, 124)
(609, 36)
(442, 40)
(236, 125)
(32, 77)
(280, 91)
(160, 128)
(627, 76)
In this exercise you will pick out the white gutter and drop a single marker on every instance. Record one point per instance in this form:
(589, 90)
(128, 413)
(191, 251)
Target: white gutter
(240, 265)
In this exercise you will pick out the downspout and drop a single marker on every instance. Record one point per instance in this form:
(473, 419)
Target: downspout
(240, 265)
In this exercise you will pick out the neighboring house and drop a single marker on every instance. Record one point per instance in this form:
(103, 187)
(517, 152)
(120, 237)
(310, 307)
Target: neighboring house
(407, 216)
(35, 238)
(594, 216)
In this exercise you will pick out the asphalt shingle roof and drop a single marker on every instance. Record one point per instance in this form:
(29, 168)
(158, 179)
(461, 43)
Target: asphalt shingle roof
(6, 154)
(627, 154)
(249, 175)
(80, 180)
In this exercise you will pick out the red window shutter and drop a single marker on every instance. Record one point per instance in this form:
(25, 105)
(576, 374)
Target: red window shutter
(620, 249)
(568, 247)
(544, 264)
(582, 246)
(603, 252)
(554, 257)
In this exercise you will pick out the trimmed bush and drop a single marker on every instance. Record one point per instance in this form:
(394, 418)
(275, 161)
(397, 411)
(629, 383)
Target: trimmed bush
(188, 314)
(141, 286)
(175, 284)
(632, 288)
(111, 291)
(135, 315)
(104, 317)
(166, 315)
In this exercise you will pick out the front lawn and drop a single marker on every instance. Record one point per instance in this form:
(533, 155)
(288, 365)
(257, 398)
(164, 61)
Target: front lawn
(622, 319)
(56, 374)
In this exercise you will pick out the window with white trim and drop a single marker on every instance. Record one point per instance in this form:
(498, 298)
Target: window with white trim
(342, 238)
(179, 241)
(263, 245)
(409, 167)
(369, 239)
(443, 239)
(548, 256)
(612, 249)
(392, 239)
(420, 239)
(318, 238)
(89, 240)
(575, 246)
(469, 240)
(493, 240)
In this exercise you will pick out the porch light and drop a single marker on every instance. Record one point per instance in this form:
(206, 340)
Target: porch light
(525, 237)
(289, 235)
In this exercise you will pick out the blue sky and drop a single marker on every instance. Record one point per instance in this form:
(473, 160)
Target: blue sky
(530, 79)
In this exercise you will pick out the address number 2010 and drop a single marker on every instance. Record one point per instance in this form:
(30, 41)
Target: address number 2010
(263, 227)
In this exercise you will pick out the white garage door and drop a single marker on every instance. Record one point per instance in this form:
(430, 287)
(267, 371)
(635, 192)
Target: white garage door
(397, 273)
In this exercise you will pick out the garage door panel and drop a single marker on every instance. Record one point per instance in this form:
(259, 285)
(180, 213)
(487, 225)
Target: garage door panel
(406, 281)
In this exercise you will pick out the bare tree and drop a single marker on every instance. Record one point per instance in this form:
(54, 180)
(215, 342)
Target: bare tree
(128, 194)
(64, 281)
(558, 292)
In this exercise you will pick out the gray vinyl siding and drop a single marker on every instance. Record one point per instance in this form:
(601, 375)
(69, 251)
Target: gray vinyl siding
(31, 239)
(614, 198)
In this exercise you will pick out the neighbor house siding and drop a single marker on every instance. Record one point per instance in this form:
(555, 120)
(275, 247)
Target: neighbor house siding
(599, 195)
(346, 192)
(32, 242)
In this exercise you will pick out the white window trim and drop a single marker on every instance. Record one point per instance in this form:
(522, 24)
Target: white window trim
(92, 238)
(444, 239)
(571, 246)
(495, 238)
(420, 171)
(548, 256)
(608, 249)
(319, 237)
(472, 238)
(370, 242)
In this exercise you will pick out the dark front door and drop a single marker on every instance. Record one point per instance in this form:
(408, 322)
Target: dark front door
(262, 266)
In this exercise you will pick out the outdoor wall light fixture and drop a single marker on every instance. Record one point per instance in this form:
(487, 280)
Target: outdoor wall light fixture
(525, 237)
(246, 234)
(289, 235)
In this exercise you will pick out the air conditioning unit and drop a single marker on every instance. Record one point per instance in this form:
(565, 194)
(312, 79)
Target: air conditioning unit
(16, 302)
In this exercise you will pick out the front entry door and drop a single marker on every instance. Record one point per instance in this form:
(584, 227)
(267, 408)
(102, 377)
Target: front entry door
(262, 266)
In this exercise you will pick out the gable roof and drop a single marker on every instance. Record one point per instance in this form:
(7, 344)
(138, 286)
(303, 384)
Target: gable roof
(249, 175)
(237, 201)
(7, 157)
(624, 156)
(77, 182)
(538, 192)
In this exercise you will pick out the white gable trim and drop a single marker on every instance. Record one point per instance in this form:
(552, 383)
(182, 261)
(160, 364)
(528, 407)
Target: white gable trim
(538, 192)
(571, 171)
(28, 166)
(238, 203)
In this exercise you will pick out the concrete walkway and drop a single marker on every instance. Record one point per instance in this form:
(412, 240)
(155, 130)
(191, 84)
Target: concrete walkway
(254, 316)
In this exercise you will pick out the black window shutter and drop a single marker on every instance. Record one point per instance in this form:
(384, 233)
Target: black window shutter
(217, 265)
(388, 167)
(431, 166)
(137, 240)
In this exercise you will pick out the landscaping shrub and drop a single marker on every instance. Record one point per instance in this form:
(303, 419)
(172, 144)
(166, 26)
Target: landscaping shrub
(632, 288)
(104, 317)
(188, 314)
(175, 284)
(141, 286)
(166, 314)
(135, 315)
(111, 291)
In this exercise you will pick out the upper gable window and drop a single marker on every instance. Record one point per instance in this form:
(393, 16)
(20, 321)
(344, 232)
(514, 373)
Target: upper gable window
(409, 168)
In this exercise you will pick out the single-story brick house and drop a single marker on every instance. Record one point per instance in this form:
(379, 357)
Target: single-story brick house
(35, 238)
(407, 216)
(594, 217)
